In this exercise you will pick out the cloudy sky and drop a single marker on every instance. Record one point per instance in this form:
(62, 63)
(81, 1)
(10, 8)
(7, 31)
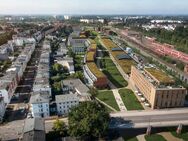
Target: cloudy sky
(94, 7)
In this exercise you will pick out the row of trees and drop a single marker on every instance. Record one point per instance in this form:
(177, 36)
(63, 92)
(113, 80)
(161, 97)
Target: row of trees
(87, 121)
(5, 37)
(178, 37)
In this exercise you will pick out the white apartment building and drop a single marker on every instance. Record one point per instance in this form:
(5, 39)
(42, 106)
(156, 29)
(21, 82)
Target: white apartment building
(40, 104)
(66, 62)
(65, 103)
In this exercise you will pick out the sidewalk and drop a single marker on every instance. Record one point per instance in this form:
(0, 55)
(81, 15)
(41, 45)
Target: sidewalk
(169, 137)
(141, 137)
(119, 100)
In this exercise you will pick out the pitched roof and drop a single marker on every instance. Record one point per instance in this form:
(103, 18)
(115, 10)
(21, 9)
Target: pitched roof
(34, 130)
(34, 124)
(77, 83)
(66, 97)
(40, 98)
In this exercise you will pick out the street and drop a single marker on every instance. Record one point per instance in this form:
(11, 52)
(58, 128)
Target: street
(155, 118)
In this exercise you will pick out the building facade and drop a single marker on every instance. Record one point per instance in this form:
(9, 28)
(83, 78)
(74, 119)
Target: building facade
(159, 96)
(2, 109)
(65, 103)
(39, 103)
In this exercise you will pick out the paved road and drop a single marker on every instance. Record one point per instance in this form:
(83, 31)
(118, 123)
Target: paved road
(156, 118)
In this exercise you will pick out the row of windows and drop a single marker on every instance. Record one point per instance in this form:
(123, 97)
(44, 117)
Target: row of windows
(169, 104)
(141, 83)
(67, 106)
(68, 102)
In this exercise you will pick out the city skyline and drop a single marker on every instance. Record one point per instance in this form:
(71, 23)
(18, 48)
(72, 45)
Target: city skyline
(76, 7)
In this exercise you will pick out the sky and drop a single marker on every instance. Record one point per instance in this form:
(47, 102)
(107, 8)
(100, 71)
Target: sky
(70, 7)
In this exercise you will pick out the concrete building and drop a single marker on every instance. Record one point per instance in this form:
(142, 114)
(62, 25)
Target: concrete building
(75, 85)
(2, 108)
(40, 104)
(10, 80)
(78, 45)
(66, 102)
(66, 62)
(41, 83)
(93, 76)
(157, 87)
(8, 84)
(34, 130)
(62, 51)
(5, 50)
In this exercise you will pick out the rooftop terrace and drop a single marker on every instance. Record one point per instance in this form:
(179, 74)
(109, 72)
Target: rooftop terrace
(94, 69)
(90, 56)
(160, 76)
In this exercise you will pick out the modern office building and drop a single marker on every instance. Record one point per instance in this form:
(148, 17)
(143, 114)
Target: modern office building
(157, 87)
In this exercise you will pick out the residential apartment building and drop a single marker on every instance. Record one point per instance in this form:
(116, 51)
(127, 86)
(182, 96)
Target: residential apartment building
(41, 83)
(66, 62)
(2, 108)
(93, 76)
(62, 51)
(5, 50)
(75, 86)
(157, 87)
(10, 80)
(34, 130)
(8, 84)
(65, 103)
(39, 102)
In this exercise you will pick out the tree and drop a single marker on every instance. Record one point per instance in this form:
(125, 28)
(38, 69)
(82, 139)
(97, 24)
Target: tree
(93, 91)
(57, 67)
(88, 120)
(57, 86)
(60, 127)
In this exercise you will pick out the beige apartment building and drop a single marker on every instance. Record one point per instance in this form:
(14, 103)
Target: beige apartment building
(157, 87)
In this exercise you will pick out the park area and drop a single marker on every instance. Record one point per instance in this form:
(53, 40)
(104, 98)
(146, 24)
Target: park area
(112, 73)
(108, 98)
(130, 100)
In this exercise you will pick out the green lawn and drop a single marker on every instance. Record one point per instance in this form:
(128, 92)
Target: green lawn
(78, 62)
(131, 139)
(155, 137)
(183, 135)
(130, 100)
(108, 98)
(110, 70)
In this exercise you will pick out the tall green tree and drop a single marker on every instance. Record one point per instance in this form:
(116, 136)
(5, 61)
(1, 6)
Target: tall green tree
(60, 127)
(88, 120)
(93, 91)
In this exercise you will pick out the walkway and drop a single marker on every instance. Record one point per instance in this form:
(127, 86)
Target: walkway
(119, 100)
(141, 137)
(106, 105)
(169, 137)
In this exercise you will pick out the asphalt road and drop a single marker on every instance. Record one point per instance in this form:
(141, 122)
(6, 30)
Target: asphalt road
(137, 119)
